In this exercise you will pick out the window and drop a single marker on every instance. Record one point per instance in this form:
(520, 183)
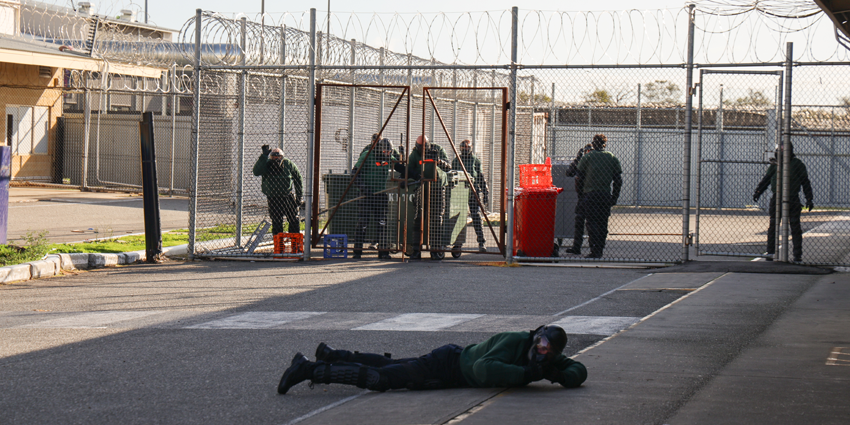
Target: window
(27, 129)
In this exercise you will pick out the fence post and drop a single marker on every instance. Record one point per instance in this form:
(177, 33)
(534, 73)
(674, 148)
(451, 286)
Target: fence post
(549, 148)
(454, 107)
(509, 242)
(698, 173)
(311, 108)
(196, 137)
(686, 172)
(491, 167)
(638, 149)
(786, 154)
(475, 114)
(352, 96)
(721, 151)
(173, 127)
(381, 53)
(240, 148)
(86, 137)
(282, 125)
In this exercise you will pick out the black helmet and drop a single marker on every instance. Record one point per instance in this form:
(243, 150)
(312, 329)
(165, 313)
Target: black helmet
(547, 342)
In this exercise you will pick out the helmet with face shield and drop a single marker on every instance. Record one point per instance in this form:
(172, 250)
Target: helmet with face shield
(547, 342)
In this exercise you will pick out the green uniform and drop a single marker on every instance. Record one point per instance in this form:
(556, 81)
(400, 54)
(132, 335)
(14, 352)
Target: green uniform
(499, 361)
(279, 184)
(799, 179)
(436, 153)
(373, 172)
(599, 169)
(473, 167)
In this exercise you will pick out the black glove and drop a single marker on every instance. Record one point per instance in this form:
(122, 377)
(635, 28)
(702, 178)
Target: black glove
(486, 199)
(265, 149)
(298, 201)
(533, 372)
(554, 375)
(756, 196)
(810, 204)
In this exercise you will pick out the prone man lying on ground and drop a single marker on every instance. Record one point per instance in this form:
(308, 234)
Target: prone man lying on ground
(507, 359)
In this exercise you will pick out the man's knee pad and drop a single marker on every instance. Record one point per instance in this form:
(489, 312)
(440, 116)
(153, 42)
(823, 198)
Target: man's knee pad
(350, 374)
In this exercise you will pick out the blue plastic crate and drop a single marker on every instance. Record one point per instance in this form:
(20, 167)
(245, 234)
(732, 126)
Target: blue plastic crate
(336, 246)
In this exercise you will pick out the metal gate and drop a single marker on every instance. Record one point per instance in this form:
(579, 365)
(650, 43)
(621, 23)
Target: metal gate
(739, 127)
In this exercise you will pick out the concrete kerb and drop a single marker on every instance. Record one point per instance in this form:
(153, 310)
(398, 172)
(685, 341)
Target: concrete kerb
(55, 264)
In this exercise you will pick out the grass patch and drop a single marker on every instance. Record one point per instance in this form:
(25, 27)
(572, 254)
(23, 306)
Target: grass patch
(35, 246)
(118, 245)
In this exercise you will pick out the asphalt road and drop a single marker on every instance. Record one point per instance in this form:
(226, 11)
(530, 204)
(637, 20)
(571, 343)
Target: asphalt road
(71, 215)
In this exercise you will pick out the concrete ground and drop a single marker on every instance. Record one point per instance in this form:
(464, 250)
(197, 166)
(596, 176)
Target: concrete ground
(69, 215)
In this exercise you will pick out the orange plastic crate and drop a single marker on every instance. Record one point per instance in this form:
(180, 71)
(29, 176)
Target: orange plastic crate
(536, 175)
(288, 243)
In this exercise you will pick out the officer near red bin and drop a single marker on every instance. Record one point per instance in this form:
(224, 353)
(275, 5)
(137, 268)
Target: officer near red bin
(578, 227)
(507, 359)
(280, 178)
(598, 172)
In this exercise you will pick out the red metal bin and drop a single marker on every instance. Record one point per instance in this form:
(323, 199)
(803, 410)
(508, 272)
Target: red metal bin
(534, 220)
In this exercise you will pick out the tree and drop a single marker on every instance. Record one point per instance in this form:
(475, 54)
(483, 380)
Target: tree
(522, 97)
(754, 98)
(662, 91)
(598, 96)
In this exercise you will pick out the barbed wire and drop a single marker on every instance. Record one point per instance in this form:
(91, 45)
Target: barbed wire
(727, 31)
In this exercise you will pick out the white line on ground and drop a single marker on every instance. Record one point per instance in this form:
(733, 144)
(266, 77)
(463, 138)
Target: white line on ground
(418, 322)
(322, 409)
(256, 320)
(601, 296)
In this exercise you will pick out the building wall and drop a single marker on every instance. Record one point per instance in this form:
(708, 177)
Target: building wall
(22, 85)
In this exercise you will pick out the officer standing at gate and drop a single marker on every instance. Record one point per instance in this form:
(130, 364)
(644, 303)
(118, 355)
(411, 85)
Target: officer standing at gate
(799, 180)
(374, 171)
(280, 178)
(595, 174)
(422, 153)
(578, 228)
(473, 167)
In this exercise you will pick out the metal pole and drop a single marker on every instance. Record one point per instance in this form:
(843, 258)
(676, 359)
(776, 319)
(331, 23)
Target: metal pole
(686, 172)
(86, 137)
(509, 242)
(699, 167)
(262, 30)
(173, 127)
(381, 52)
(475, 114)
(638, 150)
(531, 103)
(431, 115)
(721, 151)
(492, 165)
(282, 124)
(352, 96)
(777, 197)
(311, 108)
(240, 147)
(786, 155)
(550, 147)
(454, 107)
(196, 137)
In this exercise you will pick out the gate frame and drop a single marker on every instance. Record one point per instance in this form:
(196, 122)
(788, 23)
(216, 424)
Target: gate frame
(426, 92)
(780, 122)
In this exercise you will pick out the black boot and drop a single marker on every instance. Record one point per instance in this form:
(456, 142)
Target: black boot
(300, 370)
(324, 353)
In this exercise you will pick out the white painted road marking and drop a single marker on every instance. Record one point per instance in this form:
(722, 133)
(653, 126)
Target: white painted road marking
(256, 320)
(595, 325)
(419, 322)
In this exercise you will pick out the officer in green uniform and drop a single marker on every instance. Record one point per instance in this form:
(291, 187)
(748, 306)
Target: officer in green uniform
(280, 178)
(374, 171)
(424, 152)
(799, 180)
(507, 359)
(595, 173)
(473, 167)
